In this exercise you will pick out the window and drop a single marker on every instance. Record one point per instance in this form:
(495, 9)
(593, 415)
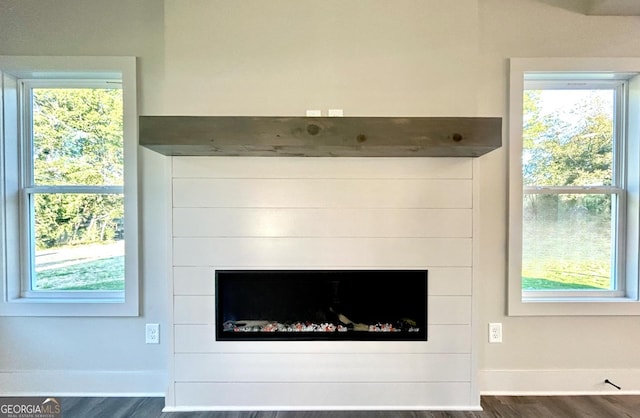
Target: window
(573, 230)
(69, 198)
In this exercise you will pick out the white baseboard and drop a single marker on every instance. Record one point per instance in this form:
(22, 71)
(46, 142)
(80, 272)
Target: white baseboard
(559, 382)
(83, 383)
(321, 408)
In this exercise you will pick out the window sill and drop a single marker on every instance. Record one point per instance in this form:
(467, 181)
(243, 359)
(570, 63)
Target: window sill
(621, 306)
(68, 307)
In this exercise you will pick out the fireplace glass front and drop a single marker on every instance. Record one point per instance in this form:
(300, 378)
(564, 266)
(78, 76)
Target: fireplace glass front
(365, 305)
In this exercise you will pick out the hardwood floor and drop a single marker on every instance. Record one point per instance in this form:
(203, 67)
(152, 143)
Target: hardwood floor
(618, 406)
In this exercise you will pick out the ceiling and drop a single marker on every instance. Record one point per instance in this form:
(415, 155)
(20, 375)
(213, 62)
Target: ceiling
(614, 7)
(599, 7)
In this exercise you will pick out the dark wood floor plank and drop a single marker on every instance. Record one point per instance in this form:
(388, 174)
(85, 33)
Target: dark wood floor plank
(630, 405)
(607, 406)
(111, 407)
(149, 407)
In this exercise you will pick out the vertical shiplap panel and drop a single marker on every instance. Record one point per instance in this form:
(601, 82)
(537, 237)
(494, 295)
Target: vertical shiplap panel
(320, 252)
(325, 367)
(322, 222)
(344, 167)
(193, 281)
(322, 193)
(317, 395)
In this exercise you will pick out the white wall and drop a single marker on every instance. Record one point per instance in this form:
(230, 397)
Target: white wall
(368, 57)
(543, 354)
(51, 356)
(375, 58)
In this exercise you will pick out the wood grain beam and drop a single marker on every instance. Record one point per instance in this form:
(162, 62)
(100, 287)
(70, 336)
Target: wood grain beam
(321, 136)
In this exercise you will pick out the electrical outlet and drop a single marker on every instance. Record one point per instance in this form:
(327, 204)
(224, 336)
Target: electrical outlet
(335, 112)
(495, 332)
(314, 113)
(152, 334)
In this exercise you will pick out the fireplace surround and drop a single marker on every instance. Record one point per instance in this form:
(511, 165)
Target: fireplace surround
(275, 214)
(354, 305)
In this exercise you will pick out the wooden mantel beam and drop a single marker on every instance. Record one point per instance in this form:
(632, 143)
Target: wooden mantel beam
(321, 136)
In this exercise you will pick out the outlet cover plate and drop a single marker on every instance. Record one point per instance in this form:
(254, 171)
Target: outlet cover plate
(152, 334)
(495, 332)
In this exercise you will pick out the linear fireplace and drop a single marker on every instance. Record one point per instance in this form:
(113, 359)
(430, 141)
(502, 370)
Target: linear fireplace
(366, 305)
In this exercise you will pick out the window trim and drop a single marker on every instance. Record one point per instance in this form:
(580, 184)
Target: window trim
(583, 304)
(15, 299)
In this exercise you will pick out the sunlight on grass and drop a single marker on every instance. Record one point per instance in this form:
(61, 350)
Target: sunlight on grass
(561, 274)
(81, 267)
(103, 274)
(529, 283)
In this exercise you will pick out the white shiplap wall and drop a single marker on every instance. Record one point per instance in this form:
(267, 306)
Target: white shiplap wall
(319, 213)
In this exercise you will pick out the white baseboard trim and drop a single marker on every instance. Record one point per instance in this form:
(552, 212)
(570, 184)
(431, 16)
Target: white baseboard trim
(83, 383)
(558, 382)
(319, 408)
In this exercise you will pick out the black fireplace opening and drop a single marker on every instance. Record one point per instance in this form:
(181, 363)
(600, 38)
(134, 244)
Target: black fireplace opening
(361, 305)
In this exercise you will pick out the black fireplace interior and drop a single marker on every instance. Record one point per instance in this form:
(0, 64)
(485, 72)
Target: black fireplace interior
(366, 305)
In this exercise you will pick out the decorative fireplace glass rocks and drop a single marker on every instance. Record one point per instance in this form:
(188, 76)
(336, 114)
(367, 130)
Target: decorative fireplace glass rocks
(364, 305)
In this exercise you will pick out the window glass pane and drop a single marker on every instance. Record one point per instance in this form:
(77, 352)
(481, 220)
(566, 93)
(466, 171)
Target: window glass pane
(567, 242)
(568, 137)
(77, 136)
(79, 242)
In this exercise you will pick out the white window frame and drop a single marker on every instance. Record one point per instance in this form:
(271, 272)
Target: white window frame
(624, 300)
(18, 75)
